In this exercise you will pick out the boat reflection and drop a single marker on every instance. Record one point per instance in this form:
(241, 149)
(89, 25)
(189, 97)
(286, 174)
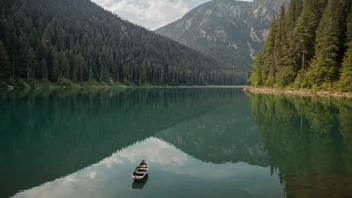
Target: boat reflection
(139, 185)
(169, 164)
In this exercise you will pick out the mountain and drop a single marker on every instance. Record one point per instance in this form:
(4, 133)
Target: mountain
(228, 30)
(80, 41)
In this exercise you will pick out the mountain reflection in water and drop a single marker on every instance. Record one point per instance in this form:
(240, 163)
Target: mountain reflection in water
(209, 142)
(169, 168)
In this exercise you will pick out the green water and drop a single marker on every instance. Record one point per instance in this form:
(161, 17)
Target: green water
(216, 142)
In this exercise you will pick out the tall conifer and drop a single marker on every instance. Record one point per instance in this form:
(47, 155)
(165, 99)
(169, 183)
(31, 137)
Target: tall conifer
(346, 71)
(257, 77)
(293, 13)
(324, 67)
(269, 55)
(4, 64)
(55, 66)
(285, 73)
(304, 32)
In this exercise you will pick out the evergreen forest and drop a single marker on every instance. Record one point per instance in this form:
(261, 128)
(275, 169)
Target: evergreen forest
(309, 47)
(78, 41)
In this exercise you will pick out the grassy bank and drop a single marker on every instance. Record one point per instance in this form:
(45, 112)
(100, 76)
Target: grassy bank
(299, 92)
(62, 83)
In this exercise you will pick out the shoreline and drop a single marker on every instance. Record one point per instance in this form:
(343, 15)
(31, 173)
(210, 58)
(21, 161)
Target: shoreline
(299, 92)
(119, 87)
(24, 84)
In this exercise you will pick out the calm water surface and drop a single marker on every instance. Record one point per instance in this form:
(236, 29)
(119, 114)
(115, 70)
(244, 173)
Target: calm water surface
(204, 142)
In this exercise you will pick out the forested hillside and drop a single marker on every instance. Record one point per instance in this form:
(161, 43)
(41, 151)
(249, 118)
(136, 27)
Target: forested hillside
(309, 47)
(79, 41)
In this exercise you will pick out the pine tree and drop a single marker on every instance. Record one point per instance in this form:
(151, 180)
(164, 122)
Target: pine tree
(256, 78)
(285, 72)
(293, 13)
(55, 66)
(106, 74)
(46, 38)
(44, 70)
(13, 49)
(346, 70)
(281, 37)
(324, 67)
(76, 67)
(349, 27)
(269, 57)
(345, 6)
(4, 63)
(64, 65)
(304, 32)
(90, 75)
(81, 67)
(30, 61)
(41, 51)
(101, 70)
(282, 24)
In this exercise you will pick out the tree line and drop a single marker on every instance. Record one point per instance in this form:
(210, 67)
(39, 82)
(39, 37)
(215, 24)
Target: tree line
(309, 47)
(79, 41)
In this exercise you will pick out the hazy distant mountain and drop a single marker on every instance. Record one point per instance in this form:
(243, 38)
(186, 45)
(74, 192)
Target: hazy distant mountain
(229, 30)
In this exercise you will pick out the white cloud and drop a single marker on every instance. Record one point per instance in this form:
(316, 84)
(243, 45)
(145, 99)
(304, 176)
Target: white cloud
(107, 177)
(152, 150)
(151, 14)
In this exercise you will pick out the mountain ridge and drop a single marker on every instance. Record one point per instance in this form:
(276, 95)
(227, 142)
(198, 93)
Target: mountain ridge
(229, 31)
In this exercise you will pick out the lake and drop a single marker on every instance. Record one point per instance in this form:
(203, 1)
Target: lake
(199, 142)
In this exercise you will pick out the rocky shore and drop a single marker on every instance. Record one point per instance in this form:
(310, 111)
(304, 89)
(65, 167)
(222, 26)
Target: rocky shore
(298, 92)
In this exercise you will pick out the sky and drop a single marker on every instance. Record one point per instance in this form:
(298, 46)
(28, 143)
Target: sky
(151, 14)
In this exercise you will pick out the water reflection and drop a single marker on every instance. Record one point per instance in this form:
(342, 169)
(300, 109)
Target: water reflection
(170, 168)
(198, 143)
(226, 134)
(139, 185)
(46, 134)
(309, 143)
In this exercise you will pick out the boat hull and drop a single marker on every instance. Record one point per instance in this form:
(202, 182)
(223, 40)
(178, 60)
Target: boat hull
(141, 172)
(140, 179)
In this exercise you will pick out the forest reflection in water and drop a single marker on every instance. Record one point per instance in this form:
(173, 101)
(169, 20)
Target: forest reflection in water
(309, 142)
(253, 145)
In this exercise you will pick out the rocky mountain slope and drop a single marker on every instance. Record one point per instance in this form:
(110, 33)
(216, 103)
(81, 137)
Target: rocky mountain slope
(228, 30)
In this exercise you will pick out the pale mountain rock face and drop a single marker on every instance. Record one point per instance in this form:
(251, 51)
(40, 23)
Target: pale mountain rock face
(228, 30)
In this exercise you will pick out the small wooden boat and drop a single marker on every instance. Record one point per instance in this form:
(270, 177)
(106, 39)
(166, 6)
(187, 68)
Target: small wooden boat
(140, 172)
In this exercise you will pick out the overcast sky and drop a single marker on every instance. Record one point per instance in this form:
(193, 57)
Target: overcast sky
(151, 14)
